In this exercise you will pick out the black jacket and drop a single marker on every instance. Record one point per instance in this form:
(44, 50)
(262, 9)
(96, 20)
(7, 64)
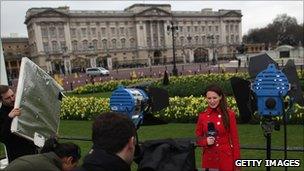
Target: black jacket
(16, 146)
(167, 155)
(99, 160)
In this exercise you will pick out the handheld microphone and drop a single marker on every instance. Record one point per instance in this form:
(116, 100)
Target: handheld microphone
(211, 130)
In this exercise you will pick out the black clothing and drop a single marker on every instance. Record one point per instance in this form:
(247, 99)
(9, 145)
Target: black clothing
(167, 155)
(16, 146)
(100, 160)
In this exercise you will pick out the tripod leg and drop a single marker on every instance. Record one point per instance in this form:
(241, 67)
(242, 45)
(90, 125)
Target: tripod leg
(285, 136)
(268, 155)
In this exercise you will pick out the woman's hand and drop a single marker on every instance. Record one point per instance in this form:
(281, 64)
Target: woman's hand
(210, 140)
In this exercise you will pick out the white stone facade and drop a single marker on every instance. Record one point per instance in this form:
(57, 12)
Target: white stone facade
(136, 35)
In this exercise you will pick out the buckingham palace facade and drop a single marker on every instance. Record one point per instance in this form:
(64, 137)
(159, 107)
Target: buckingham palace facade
(62, 40)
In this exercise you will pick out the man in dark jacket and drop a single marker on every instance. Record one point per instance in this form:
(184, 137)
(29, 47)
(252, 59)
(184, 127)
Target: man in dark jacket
(114, 142)
(16, 146)
(54, 157)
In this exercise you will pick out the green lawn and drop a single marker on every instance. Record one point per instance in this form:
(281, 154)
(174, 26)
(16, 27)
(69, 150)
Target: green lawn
(249, 135)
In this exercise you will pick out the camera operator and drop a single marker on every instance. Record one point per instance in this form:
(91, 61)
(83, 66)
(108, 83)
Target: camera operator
(114, 142)
(16, 146)
(216, 132)
(54, 156)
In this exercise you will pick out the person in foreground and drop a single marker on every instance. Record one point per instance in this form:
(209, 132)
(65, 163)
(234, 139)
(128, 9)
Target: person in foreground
(114, 142)
(16, 146)
(216, 132)
(54, 157)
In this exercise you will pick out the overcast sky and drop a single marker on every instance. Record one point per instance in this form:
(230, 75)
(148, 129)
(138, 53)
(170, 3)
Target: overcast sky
(255, 13)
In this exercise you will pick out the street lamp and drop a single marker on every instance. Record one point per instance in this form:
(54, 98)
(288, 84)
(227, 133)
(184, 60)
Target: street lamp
(211, 37)
(173, 30)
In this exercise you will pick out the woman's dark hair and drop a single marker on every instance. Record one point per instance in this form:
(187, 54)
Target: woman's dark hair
(223, 103)
(62, 149)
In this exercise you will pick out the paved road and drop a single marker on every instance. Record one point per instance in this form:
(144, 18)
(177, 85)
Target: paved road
(151, 72)
(74, 80)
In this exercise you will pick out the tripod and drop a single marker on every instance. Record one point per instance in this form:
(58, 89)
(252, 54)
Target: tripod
(268, 125)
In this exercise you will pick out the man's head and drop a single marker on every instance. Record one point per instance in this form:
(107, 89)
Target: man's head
(115, 133)
(69, 153)
(7, 96)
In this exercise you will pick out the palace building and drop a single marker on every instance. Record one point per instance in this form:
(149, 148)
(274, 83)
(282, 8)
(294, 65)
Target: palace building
(62, 40)
(14, 48)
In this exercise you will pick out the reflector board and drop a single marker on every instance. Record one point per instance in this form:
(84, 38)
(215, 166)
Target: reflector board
(38, 97)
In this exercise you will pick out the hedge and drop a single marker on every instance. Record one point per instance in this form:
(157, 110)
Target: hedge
(107, 86)
(183, 86)
(181, 109)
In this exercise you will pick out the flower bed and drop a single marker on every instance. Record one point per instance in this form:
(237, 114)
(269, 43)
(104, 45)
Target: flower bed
(181, 109)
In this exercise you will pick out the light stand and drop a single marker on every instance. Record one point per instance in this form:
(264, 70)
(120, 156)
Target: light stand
(173, 30)
(267, 127)
(270, 87)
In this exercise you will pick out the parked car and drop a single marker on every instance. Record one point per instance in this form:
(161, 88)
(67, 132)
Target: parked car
(97, 71)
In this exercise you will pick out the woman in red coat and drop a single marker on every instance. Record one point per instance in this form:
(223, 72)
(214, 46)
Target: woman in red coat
(216, 132)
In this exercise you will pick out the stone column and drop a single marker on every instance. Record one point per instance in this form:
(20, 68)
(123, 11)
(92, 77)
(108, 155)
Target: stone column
(109, 61)
(184, 56)
(151, 32)
(68, 37)
(191, 56)
(38, 37)
(67, 64)
(93, 61)
(158, 33)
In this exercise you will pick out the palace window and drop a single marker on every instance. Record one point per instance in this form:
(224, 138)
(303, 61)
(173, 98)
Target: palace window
(55, 46)
(95, 42)
(112, 30)
(46, 46)
(74, 45)
(73, 33)
(84, 32)
(85, 45)
(61, 32)
(93, 32)
(114, 43)
(53, 32)
(122, 31)
(132, 42)
(44, 32)
(123, 43)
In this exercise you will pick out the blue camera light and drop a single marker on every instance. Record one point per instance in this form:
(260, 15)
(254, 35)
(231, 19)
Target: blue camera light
(129, 101)
(270, 86)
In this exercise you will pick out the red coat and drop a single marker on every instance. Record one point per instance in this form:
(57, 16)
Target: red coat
(226, 149)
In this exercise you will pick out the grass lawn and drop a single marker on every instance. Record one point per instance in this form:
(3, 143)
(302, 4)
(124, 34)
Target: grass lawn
(249, 135)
